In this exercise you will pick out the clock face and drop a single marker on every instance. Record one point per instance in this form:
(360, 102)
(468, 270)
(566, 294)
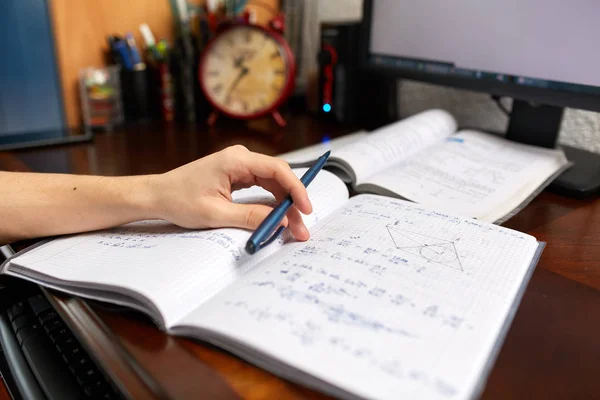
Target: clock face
(245, 71)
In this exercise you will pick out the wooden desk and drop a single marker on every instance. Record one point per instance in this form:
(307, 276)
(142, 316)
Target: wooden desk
(552, 349)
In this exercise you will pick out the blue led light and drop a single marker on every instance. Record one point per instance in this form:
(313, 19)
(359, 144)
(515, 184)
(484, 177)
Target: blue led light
(326, 107)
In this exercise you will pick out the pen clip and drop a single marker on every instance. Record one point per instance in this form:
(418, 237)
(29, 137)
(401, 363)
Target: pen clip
(272, 238)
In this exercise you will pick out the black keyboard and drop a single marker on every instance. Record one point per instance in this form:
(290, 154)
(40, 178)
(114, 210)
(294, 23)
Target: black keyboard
(61, 367)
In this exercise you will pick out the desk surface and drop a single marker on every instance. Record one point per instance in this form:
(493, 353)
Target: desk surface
(552, 349)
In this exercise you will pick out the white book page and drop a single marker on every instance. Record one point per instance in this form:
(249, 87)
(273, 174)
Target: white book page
(308, 155)
(392, 143)
(471, 173)
(388, 299)
(177, 269)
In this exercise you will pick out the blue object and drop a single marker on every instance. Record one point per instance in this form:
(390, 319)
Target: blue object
(122, 50)
(326, 107)
(260, 238)
(455, 139)
(133, 51)
(30, 91)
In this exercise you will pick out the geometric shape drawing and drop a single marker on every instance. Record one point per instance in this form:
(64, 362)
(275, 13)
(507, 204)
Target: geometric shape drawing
(432, 249)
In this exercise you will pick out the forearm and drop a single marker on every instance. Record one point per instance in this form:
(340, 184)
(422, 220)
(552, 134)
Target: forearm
(37, 205)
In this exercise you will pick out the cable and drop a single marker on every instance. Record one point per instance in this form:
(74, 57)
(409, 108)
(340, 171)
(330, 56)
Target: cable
(500, 105)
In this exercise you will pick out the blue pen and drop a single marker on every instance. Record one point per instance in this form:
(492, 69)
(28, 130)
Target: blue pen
(135, 55)
(120, 47)
(260, 238)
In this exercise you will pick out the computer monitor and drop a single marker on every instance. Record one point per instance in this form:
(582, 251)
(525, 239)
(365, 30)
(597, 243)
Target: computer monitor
(542, 53)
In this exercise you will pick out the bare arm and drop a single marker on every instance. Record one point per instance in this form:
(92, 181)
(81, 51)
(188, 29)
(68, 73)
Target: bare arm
(196, 195)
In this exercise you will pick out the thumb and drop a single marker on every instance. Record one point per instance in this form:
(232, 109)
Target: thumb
(246, 216)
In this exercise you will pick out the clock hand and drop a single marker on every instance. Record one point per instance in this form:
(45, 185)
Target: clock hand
(237, 62)
(237, 80)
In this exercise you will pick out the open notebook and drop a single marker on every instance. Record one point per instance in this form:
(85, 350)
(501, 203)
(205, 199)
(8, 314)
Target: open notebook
(424, 159)
(388, 299)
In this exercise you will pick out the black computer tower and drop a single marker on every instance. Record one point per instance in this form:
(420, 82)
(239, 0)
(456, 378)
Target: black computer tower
(347, 93)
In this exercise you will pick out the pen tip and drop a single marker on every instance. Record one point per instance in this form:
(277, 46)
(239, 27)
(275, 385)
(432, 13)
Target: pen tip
(327, 154)
(250, 248)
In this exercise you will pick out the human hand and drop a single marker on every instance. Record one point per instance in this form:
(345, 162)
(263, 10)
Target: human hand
(198, 194)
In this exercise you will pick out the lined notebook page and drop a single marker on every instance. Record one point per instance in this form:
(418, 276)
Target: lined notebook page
(471, 173)
(387, 300)
(177, 269)
(392, 143)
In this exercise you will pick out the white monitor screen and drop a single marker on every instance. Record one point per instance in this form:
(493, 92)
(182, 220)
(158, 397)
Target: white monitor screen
(552, 40)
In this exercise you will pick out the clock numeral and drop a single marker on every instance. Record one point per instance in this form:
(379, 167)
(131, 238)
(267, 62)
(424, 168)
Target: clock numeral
(262, 103)
(279, 72)
(245, 107)
(276, 87)
(213, 73)
(229, 40)
(216, 54)
(217, 88)
(275, 54)
(248, 37)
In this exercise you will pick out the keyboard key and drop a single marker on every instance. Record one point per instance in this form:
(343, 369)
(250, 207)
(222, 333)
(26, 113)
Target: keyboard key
(22, 322)
(54, 354)
(87, 376)
(39, 304)
(48, 369)
(53, 325)
(16, 310)
(27, 332)
(74, 354)
(46, 316)
(90, 374)
(96, 388)
(58, 335)
(66, 343)
(80, 366)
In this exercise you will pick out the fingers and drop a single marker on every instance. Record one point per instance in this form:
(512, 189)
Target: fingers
(263, 166)
(296, 224)
(245, 216)
(250, 216)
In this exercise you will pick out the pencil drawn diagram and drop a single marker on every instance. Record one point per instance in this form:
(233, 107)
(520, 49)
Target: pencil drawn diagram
(432, 249)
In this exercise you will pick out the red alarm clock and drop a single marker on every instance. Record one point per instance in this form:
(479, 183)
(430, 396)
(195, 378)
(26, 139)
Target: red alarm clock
(247, 71)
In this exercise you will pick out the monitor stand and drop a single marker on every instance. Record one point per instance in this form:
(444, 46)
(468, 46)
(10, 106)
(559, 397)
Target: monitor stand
(539, 126)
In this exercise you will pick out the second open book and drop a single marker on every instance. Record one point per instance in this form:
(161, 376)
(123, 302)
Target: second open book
(424, 159)
(388, 299)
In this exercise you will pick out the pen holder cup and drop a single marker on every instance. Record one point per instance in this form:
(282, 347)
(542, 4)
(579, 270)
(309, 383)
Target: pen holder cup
(136, 93)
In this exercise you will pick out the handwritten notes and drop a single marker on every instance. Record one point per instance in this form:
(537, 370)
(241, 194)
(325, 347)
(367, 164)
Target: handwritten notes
(471, 173)
(386, 146)
(387, 299)
(173, 268)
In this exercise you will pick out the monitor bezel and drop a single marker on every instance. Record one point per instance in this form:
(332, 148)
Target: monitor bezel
(546, 96)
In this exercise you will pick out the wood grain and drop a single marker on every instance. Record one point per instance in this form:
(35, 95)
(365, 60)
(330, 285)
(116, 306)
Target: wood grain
(4, 395)
(9, 162)
(552, 347)
(80, 30)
